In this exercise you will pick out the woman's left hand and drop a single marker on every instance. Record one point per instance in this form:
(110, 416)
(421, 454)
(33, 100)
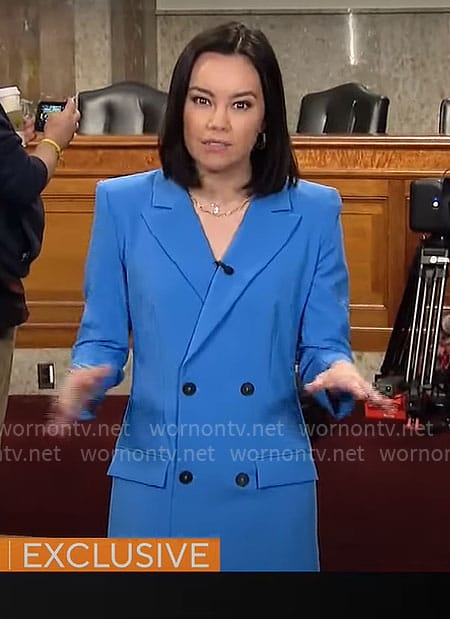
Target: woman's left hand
(343, 377)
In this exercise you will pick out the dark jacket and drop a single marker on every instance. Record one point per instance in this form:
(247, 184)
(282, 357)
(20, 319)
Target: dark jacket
(22, 179)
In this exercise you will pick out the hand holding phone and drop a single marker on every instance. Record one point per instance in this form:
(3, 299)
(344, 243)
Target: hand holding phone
(61, 125)
(44, 108)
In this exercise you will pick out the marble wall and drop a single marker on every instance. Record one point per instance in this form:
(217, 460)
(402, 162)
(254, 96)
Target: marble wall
(92, 54)
(402, 55)
(37, 47)
(52, 48)
(24, 373)
(24, 379)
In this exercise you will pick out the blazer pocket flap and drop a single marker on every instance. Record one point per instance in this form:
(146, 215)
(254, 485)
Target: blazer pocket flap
(137, 465)
(291, 469)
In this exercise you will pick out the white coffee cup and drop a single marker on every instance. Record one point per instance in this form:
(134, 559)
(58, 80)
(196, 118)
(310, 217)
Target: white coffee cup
(11, 102)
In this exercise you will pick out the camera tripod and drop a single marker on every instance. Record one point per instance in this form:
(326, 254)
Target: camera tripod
(411, 365)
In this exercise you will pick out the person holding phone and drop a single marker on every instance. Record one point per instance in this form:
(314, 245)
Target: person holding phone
(23, 176)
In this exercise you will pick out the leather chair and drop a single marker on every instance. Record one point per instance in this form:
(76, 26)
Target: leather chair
(444, 116)
(124, 108)
(346, 108)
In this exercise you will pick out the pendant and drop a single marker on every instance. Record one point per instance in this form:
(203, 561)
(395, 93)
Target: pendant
(215, 208)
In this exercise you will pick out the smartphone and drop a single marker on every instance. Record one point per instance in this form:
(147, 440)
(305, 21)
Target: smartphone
(44, 108)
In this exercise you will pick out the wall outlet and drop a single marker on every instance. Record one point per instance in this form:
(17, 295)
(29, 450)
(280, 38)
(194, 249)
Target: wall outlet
(46, 375)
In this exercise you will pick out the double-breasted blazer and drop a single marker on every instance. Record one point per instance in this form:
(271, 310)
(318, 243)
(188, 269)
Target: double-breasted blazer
(213, 441)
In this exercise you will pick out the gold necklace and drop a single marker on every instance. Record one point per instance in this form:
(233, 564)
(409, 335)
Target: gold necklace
(214, 209)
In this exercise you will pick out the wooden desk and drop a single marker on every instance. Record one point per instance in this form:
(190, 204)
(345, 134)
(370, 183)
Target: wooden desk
(373, 175)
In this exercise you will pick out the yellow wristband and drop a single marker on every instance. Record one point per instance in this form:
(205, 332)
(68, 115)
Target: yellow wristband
(55, 145)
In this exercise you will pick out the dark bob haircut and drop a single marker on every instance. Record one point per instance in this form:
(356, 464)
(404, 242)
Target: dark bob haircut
(273, 165)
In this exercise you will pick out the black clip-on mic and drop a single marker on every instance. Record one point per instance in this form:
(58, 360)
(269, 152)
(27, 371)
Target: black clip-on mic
(226, 267)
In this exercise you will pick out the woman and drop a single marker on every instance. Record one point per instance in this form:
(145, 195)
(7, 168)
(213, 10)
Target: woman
(228, 271)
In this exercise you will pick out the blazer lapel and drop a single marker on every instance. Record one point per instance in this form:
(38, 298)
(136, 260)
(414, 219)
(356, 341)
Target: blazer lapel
(171, 219)
(266, 228)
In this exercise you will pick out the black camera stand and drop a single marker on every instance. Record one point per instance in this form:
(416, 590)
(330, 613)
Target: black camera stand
(410, 365)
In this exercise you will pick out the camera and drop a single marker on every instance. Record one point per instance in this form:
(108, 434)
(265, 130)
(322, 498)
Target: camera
(429, 210)
(44, 108)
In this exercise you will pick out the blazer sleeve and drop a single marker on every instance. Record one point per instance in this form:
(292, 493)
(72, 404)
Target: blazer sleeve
(103, 336)
(22, 176)
(325, 328)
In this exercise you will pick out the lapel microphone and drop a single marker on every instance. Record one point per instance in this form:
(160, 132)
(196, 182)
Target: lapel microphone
(225, 267)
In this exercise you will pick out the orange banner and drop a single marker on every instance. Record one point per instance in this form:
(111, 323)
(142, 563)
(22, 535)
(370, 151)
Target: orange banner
(51, 554)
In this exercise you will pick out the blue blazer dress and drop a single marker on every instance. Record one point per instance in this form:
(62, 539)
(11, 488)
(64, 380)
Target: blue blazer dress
(213, 441)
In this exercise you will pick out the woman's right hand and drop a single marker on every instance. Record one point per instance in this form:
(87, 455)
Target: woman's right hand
(80, 386)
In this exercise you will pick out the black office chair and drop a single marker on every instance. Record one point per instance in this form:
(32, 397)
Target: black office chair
(444, 116)
(124, 108)
(346, 108)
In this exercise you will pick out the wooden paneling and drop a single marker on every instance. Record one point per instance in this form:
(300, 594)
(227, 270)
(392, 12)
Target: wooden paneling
(365, 225)
(366, 216)
(372, 174)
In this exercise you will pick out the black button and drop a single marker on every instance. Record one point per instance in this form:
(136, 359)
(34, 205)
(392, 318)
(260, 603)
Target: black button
(189, 388)
(242, 479)
(247, 389)
(185, 477)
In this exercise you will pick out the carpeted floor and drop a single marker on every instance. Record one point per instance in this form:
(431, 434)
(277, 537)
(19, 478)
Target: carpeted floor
(374, 515)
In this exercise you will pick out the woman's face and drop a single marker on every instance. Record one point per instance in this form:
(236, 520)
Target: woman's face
(223, 112)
